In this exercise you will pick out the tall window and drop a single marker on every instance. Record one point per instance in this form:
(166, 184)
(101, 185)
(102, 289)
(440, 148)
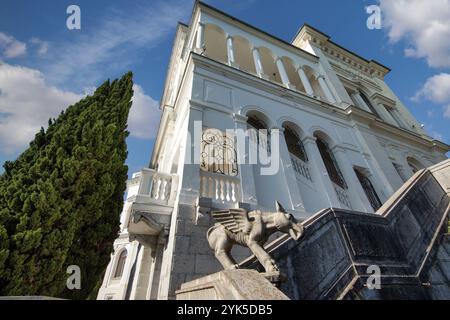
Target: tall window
(330, 164)
(396, 116)
(294, 144)
(368, 189)
(369, 104)
(218, 153)
(258, 132)
(400, 171)
(120, 264)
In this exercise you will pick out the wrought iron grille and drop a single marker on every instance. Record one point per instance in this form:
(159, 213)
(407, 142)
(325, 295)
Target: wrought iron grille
(218, 154)
(330, 164)
(368, 189)
(259, 133)
(294, 144)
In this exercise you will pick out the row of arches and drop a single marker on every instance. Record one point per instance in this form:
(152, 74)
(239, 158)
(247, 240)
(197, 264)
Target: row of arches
(294, 137)
(238, 52)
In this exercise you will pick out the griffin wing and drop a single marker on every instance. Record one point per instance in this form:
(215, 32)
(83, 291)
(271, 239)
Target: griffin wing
(234, 220)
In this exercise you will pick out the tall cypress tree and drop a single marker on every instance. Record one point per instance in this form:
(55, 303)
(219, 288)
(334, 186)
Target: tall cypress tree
(60, 201)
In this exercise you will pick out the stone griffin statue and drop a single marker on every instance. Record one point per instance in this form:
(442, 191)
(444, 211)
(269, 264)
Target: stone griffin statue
(249, 229)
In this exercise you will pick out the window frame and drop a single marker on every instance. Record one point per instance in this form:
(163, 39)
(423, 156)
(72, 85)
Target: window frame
(331, 164)
(120, 262)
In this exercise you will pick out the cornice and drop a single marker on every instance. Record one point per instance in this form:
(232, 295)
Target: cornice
(354, 76)
(339, 53)
(395, 132)
(267, 86)
(351, 112)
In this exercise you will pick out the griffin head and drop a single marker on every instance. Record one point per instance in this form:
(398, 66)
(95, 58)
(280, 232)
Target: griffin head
(286, 222)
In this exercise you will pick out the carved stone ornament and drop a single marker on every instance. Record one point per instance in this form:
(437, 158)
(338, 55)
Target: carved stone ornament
(249, 229)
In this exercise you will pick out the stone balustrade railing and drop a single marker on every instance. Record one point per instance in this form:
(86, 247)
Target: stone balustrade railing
(300, 167)
(160, 187)
(219, 187)
(342, 195)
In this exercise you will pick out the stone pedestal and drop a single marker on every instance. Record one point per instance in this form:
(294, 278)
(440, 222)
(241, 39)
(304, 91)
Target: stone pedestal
(240, 284)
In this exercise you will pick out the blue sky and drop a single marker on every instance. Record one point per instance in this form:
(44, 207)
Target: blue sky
(44, 66)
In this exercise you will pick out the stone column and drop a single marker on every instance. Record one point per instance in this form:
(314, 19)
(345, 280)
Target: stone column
(305, 81)
(248, 189)
(200, 41)
(326, 90)
(258, 64)
(155, 270)
(319, 172)
(283, 74)
(356, 193)
(289, 173)
(230, 51)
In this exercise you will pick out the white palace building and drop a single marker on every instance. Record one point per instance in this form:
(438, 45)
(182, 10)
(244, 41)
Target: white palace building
(338, 134)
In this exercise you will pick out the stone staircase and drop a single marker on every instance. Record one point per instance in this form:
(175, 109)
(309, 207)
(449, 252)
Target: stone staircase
(407, 241)
(339, 256)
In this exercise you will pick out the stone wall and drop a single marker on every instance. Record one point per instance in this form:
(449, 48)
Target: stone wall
(193, 258)
(332, 259)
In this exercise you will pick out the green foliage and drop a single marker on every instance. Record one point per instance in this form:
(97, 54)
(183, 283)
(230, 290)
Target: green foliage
(60, 201)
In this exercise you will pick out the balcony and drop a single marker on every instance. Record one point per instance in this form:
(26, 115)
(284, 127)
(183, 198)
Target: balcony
(152, 206)
(292, 71)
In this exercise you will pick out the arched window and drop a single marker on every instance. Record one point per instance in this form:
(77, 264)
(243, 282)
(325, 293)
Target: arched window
(293, 76)
(120, 264)
(297, 152)
(294, 144)
(215, 43)
(400, 171)
(368, 188)
(243, 54)
(330, 163)
(258, 132)
(269, 66)
(311, 75)
(255, 123)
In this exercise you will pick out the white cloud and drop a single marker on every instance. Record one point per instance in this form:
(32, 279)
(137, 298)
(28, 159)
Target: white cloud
(425, 25)
(436, 89)
(144, 116)
(28, 97)
(10, 47)
(26, 104)
(114, 43)
(41, 45)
